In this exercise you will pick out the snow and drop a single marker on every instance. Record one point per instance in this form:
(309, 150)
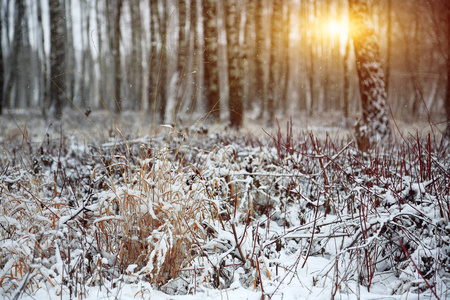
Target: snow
(235, 221)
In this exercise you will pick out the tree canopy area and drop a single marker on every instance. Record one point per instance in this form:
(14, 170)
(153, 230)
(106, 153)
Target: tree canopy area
(226, 59)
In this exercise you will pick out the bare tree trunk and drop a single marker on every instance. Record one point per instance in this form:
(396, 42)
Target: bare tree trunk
(117, 56)
(415, 66)
(286, 58)
(69, 49)
(158, 62)
(99, 13)
(374, 125)
(303, 27)
(13, 60)
(88, 64)
(44, 78)
(235, 65)
(249, 53)
(389, 42)
(346, 80)
(136, 54)
(274, 67)
(182, 58)
(193, 20)
(57, 57)
(153, 56)
(260, 47)
(312, 71)
(162, 68)
(211, 72)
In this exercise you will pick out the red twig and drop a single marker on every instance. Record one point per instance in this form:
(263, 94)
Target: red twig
(420, 273)
(260, 278)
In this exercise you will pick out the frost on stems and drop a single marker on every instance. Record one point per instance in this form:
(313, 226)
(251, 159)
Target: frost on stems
(241, 212)
(373, 127)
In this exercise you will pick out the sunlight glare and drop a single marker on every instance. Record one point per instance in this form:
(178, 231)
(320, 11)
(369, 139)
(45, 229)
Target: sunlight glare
(337, 29)
(294, 34)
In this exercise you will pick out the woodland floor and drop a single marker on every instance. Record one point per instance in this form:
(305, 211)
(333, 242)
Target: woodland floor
(129, 210)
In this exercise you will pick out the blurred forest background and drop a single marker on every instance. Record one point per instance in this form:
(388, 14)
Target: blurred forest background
(224, 58)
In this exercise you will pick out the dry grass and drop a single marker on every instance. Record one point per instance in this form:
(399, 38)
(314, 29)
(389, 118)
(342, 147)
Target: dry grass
(201, 209)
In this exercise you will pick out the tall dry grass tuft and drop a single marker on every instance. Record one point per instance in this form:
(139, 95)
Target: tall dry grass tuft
(158, 212)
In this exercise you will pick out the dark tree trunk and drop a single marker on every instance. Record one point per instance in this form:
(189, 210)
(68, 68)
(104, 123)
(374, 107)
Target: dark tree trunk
(249, 53)
(195, 53)
(117, 58)
(13, 60)
(260, 47)
(211, 56)
(235, 61)
(374, 125)
(57, 57)
(136, 54)
(158, 62)
(162, 68)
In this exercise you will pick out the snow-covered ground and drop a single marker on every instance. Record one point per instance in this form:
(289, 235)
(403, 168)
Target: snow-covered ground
(136, 211)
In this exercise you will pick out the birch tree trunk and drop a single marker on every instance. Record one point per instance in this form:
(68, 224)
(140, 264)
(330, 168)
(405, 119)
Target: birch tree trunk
(211, 72)
(99, 12)
(374, 124)
(153, 56)
(235, 65)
